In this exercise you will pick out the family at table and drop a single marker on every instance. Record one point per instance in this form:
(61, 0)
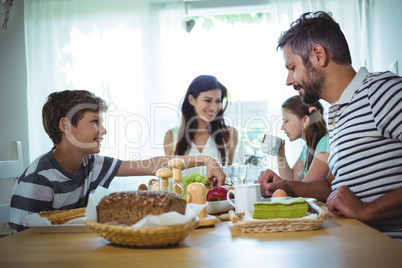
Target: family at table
(351, 161)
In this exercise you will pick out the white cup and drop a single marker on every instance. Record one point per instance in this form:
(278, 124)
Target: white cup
(245, 196)
(271, 144)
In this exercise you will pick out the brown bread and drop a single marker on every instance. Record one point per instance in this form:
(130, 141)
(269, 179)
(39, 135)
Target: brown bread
(130, 207)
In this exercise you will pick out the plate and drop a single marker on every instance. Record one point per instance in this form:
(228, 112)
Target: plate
(62, 228)
(274, 199)
(217, 207)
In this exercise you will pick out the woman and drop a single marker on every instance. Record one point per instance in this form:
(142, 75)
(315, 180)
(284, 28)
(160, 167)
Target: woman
(203, 130)
(304, 121)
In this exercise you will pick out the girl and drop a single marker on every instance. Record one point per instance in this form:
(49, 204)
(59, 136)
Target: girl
(203, 130)
(304, 121)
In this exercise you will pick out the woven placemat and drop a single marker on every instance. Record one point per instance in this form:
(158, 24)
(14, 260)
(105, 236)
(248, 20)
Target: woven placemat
(283, 224)
(153, 236)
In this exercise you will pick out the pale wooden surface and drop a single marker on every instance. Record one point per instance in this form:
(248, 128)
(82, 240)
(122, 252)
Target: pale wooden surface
(340, 243)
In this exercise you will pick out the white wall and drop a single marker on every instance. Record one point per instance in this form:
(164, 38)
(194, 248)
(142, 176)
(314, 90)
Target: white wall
(13, 83)
(386, 34)
(386, 39)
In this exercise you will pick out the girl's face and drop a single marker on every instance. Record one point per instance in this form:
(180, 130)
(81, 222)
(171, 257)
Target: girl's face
(292, 125)
(207, 104)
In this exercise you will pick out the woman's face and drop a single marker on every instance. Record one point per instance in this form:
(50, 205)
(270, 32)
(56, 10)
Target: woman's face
(207, 104)
(292, 125)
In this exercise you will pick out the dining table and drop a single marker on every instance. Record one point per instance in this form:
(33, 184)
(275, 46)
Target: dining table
(339, 242)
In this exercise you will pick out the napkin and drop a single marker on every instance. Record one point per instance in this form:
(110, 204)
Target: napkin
(35, 219)
(248, 216)
(169, 218)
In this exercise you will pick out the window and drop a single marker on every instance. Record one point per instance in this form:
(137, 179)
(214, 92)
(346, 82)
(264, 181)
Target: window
(139, 57)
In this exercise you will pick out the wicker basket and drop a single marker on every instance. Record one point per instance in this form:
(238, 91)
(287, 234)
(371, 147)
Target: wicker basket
(153, 236)
(283, 225)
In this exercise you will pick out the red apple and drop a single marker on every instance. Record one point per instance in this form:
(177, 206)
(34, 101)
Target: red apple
(218, 193)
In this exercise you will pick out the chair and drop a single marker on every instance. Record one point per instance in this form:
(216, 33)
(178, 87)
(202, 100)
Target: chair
(10, 171)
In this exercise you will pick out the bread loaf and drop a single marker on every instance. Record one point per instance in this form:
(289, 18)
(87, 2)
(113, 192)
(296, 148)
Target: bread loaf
(130, 207)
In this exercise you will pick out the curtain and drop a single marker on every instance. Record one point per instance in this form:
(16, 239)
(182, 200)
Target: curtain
(351, 19)
(114, 49)
(139, 58)
(5, 6)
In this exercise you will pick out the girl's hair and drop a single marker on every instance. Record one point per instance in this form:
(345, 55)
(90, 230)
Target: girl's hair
(217, 128)
(316, 128)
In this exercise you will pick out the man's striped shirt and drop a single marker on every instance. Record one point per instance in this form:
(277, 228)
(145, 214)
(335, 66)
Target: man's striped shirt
(365, 128)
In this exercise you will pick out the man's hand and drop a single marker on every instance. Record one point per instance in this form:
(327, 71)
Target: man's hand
(343, 202)
(270, 182)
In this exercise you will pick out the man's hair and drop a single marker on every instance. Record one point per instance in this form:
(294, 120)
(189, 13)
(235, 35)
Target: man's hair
(313, 28)
(71, 104)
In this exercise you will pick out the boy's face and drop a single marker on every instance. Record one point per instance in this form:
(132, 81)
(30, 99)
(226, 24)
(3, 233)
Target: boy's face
(88, 134)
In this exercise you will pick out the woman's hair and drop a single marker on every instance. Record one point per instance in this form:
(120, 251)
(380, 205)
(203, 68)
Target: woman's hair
(316, 28)
(217, 128)
(316, 128)
(71, 104)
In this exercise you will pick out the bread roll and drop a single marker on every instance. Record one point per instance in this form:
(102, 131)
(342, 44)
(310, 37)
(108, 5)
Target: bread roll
(130, 207)
(63, 216)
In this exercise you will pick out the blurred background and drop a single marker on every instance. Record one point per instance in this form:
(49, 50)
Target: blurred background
(140, 56)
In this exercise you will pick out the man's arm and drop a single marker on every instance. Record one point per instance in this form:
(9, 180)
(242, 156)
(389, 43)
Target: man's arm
(344, 202)
(270, 182)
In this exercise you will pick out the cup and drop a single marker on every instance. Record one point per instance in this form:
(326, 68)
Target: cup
(245, 196)
(271, 144)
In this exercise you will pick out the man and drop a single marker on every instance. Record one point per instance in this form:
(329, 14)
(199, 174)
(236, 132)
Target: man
(365, 126)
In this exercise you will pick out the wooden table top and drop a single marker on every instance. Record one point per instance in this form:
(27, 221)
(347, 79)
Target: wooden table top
(340, 242)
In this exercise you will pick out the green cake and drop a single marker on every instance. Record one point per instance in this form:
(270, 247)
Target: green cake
(289, 208)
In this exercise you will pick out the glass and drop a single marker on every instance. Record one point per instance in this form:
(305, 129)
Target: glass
(165, 184)
(228, 170)
(239, 174)
(235, 174)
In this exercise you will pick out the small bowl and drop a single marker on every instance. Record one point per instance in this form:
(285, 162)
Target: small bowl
(216, 207)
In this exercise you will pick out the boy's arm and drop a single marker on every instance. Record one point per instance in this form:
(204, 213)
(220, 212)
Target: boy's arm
(150, 166)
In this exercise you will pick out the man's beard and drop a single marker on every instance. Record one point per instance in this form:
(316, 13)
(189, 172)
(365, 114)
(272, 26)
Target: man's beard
(313, 85)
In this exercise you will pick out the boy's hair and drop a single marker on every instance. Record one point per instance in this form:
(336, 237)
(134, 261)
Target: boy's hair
(316, 28)
(71, 104)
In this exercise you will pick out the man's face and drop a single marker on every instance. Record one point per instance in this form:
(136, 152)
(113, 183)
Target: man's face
(307, 81)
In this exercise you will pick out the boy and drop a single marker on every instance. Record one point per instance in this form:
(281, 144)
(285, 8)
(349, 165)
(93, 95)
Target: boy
(64, 177)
